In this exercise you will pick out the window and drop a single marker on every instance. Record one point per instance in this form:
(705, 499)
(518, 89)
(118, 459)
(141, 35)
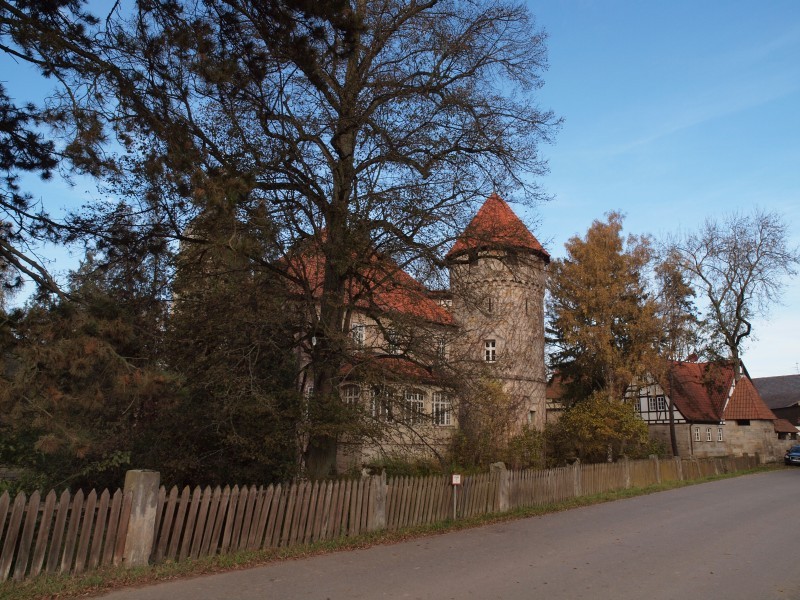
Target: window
(392, 341)
(351, 395)
(490, 305)
(708, 434)
(357, 333)
(415, 406)
(490, 350)
(442, 409)
(743, 422)
(657, 404)
(696, 434)
(441, 348)
(719, 434)
(381, 403)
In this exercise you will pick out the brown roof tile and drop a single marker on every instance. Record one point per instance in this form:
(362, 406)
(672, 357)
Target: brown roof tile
(745, 403)
(495, 226)
(784, 426)
(382, 287)
(700, 392)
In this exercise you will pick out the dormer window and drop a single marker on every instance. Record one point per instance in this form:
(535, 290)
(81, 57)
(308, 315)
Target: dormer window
(490, 350)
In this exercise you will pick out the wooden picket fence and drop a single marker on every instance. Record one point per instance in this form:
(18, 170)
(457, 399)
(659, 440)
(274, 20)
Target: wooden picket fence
(74, 533)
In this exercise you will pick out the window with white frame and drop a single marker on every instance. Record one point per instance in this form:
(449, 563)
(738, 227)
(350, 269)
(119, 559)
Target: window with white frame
(490, 350)
(442, 409)
(657, 404)
(357, 333)
(415, 406)
(696, 434)
(719, 434)
(381, 407)
(351, 395)
(708, 434)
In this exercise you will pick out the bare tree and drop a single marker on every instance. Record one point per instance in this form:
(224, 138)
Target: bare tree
(740, 264)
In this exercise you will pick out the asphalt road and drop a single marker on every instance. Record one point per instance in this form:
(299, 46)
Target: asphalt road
(732, 539)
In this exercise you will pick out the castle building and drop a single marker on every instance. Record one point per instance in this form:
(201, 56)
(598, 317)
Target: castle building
(489, 325)
(497, 281)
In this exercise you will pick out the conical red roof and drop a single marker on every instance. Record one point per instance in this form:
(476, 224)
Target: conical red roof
(496, 227)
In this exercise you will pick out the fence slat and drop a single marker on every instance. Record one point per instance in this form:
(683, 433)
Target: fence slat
(275, 518)
(45, 526)
(72, 532)
(222, 510)
(12, 532)
(250, 542)
(99, 529)
(201, 523)
(191, 517)
(85, 532)
(241, 507)
(247, 521)
(23, 552)
(177, 525)
(167, 516)
(122, 528)
(110, 543)
(211, 525)
(233, 500)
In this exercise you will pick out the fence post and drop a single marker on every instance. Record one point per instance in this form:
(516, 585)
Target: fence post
(576, 476)
(379, 499)
(143, 487)
(503, 485)
(656, 466)
(678, 467)
(627, 472)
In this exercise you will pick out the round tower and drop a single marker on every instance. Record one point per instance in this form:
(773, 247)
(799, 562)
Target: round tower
(497, 279)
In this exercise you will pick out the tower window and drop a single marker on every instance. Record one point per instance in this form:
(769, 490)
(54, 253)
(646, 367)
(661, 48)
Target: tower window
(357, 332)
(490, 304)
(490, 350)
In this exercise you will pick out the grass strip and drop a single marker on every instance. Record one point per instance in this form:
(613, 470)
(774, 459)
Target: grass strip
(100, 581)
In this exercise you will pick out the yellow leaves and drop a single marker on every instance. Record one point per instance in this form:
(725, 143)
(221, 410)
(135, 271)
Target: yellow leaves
(48, 444)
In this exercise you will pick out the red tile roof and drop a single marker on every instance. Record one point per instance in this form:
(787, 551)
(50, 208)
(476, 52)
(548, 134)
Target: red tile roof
(495, 226)
(381, 287)
(784, 426)
(745, 403)
(377, 368)
(700, 392)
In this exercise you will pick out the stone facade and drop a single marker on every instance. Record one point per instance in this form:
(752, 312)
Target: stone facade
(498, 302)
(497, 273)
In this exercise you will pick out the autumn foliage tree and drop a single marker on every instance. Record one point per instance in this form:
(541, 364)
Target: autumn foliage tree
(602, 325)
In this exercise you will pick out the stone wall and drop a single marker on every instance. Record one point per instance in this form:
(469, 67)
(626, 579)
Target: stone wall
(500, 296)
(737, 440)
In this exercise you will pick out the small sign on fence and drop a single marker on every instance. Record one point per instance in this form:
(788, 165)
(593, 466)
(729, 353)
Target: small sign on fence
(456, 479)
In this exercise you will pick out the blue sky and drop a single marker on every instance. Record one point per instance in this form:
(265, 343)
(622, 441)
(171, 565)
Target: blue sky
(676, 111)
